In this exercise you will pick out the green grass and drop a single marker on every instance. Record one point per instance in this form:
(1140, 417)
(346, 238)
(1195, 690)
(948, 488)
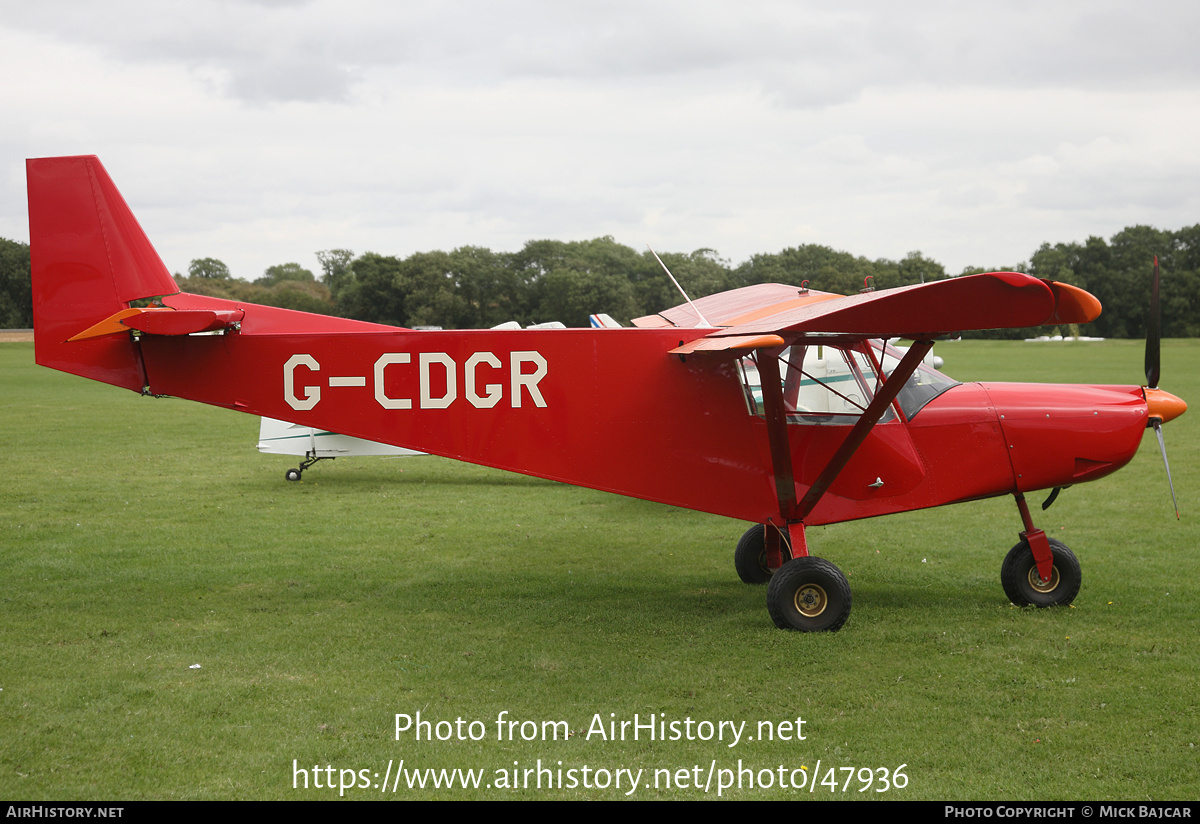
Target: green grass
(143, 536)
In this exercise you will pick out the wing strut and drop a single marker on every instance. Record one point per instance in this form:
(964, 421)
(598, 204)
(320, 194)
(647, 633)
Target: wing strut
(879, 404)
(777, 433)
(776, 417)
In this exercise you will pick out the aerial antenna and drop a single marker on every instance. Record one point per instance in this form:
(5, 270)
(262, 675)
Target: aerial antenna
(699, 314)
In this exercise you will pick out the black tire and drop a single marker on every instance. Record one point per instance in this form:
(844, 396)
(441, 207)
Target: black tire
(809, 595)
(292, 475)
(1024, 587)
(750, 556)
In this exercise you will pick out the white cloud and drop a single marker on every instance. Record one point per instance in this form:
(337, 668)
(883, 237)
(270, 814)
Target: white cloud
(259, 132)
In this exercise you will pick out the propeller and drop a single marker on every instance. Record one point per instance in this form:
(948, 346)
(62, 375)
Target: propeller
(1154, 335)
(1159, 402)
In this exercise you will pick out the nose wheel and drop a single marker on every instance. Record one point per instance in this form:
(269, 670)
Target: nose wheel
(1025, 587)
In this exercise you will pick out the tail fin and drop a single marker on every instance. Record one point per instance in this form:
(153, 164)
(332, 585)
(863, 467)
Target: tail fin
(90, 259)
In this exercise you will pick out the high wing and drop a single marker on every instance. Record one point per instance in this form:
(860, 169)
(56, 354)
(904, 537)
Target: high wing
(772, 314)
(767, 318)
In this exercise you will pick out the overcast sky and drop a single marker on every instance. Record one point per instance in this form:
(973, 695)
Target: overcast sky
(261, 132)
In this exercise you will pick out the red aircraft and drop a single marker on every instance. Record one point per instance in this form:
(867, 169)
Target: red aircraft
(772, 404)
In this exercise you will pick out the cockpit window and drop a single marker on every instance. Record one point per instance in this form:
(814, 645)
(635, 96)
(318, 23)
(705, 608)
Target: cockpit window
(831, 385)
(925, 384)
(821, 384)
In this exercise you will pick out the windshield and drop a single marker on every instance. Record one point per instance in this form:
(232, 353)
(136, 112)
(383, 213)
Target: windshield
(834, 385)
(925, 384)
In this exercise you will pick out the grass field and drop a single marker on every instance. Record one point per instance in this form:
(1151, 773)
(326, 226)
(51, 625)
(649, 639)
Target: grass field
(144, 537)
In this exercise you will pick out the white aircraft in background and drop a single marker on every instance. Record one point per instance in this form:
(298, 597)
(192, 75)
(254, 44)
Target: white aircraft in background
(282, 438)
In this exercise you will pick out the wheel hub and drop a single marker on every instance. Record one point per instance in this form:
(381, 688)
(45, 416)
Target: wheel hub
(811, 600)
(1042, 585)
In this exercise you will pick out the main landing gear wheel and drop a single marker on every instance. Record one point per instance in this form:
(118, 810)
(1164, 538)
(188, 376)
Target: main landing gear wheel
(1023, 585)
(809, 595)
(750, 557)
(292, 475)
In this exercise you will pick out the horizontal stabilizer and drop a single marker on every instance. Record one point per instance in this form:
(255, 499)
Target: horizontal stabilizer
(159, 320)
(185, 321)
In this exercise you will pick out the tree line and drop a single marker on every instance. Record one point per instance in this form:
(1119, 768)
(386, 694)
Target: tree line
(549, 280)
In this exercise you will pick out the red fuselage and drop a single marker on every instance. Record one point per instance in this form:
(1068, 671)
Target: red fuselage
(608, 409)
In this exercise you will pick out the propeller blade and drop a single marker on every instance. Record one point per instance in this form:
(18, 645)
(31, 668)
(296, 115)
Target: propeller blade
(1155, 398)
(1162, 445)
(1153, 335)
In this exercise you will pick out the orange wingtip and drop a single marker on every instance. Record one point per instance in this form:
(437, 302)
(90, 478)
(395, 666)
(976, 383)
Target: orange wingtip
(1072, 304)
(113, 325)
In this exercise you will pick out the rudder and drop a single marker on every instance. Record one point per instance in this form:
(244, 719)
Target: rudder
(89, 259)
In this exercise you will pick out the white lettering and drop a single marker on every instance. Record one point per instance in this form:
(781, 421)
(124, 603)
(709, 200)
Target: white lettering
(494, 390)
(427, 400)
(312, 394)
(526, 371)
(380, 390)
(529, 381)
(596, 728)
